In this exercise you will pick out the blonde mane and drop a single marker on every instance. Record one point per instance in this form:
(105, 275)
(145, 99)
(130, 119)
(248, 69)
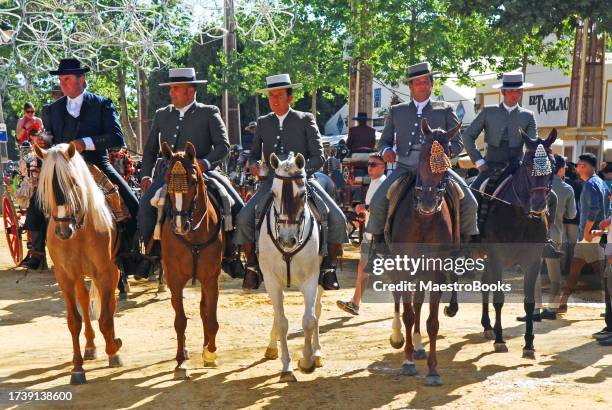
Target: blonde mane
(77, 186)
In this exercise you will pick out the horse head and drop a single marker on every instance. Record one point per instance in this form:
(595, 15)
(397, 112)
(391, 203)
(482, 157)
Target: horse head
(68, 192)
(434, 161)
(185, 181)
(536, 172)
(289, 193)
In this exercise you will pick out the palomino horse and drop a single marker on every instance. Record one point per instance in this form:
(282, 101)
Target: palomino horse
(289, 252)
(423, 217)
(516, 225)
(192, 248)
(82, 240)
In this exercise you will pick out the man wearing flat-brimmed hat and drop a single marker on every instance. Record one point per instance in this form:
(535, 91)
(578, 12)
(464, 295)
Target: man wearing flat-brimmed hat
(282, 131)
(403, 129)
(502, 125)
(361, 137)
(186, 120)
(90, 122)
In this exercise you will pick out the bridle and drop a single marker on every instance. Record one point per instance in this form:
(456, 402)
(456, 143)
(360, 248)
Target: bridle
(188, 214)
(532, 190)
(438, 191)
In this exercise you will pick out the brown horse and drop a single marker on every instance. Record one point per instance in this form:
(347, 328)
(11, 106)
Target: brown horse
(423, 217)
(82, 241)
(192, 247)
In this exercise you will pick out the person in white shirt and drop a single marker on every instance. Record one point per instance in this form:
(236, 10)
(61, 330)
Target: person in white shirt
(376, 171)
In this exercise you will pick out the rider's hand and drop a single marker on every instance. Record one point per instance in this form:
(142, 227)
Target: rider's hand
(145, 183)
(360, 209)
(79, 145)
(483, 167)
(389, 156)
(255, 169)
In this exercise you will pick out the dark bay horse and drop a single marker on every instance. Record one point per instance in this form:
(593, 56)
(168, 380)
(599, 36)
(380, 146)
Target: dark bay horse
(82, 241)
(515, 232)
(423, 217)
(192, 248)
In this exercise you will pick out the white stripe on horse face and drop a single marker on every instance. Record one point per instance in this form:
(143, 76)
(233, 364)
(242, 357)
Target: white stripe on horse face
(61, 211)
(178, 198)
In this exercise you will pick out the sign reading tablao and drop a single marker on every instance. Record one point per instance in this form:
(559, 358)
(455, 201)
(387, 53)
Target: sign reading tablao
(550, 106)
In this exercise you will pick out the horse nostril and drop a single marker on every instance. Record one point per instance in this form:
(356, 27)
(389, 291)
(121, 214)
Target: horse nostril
(58, 231)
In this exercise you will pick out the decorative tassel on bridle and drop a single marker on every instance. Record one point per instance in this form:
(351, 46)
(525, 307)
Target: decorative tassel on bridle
(438, 160)
(177, 183)
(541, 163)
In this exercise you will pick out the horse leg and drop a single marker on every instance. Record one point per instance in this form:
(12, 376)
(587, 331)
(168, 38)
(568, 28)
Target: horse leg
(397, 338)
(408, 367)
(272, 350)
(419, 350)
(211, 290)
(498, 304)
(180, 324)
(83, 298)
(529, 283)
(282, 327)
(453, 306)
(309, 323)
(106, 322)
(74, 324)
(316, 344)
(485, 320)
(433, 378)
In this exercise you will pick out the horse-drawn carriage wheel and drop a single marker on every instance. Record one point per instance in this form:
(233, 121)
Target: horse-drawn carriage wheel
(11, 229)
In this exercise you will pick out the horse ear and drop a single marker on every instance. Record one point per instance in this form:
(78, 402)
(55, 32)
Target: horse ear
(166, 151)
(551, 137)
(69, 153)
(300, 162)
(425, 127)
(274, 161)
(40, 152)
(528, 141)
(453, 131)
(190, 151)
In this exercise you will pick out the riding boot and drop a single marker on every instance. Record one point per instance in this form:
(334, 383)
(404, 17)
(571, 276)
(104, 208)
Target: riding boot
(232, 265)
(378, 250)
(129, 258)
(36, 258)
(252, 276)
(327, 276)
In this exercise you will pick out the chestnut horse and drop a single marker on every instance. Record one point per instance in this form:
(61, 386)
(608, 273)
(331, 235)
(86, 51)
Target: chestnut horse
(192, 248)
(82, 241)
(423, 217)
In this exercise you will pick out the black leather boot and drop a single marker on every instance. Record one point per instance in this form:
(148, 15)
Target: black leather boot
(231, 264)
(327, 276)
(36, 258)
(252, 277)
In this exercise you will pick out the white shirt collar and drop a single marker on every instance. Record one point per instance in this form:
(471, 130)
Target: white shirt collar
(420, 105)
(510, 109)
(183, 110)
(281, 118)
(73, 105)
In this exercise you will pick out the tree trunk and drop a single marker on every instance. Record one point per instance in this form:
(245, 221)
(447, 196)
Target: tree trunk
(143, 111)
(128, 131)
(313, 103)
(256, 106)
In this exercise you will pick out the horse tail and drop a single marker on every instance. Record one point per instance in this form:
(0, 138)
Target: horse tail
(95, 301)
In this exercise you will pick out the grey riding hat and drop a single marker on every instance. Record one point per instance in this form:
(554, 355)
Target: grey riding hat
(512, 81)
(420, 70)
(182, 76)
(278, 82)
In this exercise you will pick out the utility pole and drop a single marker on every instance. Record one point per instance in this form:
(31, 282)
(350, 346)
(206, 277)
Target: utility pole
(230, 105)
(360, 73)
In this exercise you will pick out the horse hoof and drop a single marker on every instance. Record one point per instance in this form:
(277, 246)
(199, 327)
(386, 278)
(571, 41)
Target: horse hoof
(123, 297)
(409, 369)
(161, 287)
(209, 358)
(90, 354)
(433, 380)
(306, 369)
(77, 378)
(396, 344)
(115, 361)
(528, 354)
(448, 312)
(287, 377)
(500, 347)
(318, 361)
(186, 354)
(420, 354)
(271, 353)
(181, 373)
(489, 334)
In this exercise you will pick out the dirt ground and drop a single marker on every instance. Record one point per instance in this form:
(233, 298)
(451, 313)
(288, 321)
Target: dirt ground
(360, 368)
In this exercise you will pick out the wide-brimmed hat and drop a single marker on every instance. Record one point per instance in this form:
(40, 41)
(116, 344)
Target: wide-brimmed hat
(512, 81)
(420, 70)
(362, 116)
(278, 82)
(252, 124)
(69, 66)
(182, 76)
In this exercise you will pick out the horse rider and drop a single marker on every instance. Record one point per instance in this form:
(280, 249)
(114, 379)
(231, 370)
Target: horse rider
(361, 136)
(403, 129)
(282, 131)
(91, 123)
(186, 120)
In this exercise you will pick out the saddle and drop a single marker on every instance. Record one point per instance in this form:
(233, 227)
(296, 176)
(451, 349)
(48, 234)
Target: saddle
(111, 193)
(491, 187)
(399, 190)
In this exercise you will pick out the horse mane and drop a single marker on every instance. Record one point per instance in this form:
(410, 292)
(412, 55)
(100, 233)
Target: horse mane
(73, 173)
